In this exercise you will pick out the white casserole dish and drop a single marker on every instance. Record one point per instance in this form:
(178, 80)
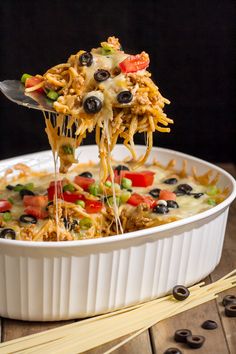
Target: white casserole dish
(74, 279)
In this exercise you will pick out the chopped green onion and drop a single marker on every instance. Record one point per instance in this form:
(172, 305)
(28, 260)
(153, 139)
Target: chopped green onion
(29, 186)
(110, 201)
(24, 77)
(94, 189)
(53, 95)
(108, 184)
(18, 187)
(124, 197)
(85, 223)
(67, 149)
(68, 188)
(107, 49)
(7, 216)
(80, 202)
(211, 202)
(213, 190)
(126, 183)
(10, 200)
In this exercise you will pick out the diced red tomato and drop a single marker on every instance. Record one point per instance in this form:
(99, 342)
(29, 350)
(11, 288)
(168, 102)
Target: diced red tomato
(38, 212)
(167, 195)
(137, 199)
(72, 197)
(139, 179)
(53, 187)
(134, 63)
(40, 201)
(33, 81)
(84, 182)
(4, 205)
(117, 177)
(93, 206)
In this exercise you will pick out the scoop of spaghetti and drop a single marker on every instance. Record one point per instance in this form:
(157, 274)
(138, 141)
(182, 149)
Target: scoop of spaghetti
(105, 90)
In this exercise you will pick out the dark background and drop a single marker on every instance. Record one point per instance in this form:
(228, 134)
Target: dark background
(192, 48)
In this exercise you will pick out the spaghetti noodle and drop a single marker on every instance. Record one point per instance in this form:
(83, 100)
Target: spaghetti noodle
(105, 90)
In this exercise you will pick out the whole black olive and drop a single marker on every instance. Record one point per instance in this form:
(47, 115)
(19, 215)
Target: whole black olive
(229, 299)
(101, 75)
(28, 219)
(209, 324)
(195, 341)
(172, 204)
(86, 59)
(92, 105)
(124, 97)
(86, 174)
(184, 188)
(171, 181)
(172, 351)
(160, 209)
(8, 234)
(181, 335)
(155, 192)
(180, 292)
(121, 168)
(24, 192)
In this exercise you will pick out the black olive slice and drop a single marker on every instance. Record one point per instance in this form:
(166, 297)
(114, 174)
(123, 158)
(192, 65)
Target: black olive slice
(10, 187)
(180, 292)
(155, 192)
(171, 181)
(28, 219)
(160, 209)
(195, 341)
(196, 195)
(70, 225)
(121, 168)
(86, 59)
(124, 97)
(8, 234)
(172, 351)
(209, 324)
(230, 310)
(181, 335)
(101, 75)
(172, 204)
(184, 188)
(24, 192)
(229, 299)
(86, 174)
(92, 105)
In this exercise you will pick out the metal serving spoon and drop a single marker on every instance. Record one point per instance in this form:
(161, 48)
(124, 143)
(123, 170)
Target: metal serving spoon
(14, 90)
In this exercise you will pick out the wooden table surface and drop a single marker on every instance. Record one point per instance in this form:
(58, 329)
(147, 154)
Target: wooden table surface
(160, 337)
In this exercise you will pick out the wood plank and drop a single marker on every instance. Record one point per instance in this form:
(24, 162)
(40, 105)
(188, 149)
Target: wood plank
(0, 329)
(139, 345)
(227, 263)
(12, 329)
